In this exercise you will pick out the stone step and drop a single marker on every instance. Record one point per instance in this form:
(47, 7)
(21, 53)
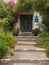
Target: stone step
(26, 38)
(43, 61)
(29, 55)
(30, 61)
(37, 63)
(24, 64)
(29, 48)
(26, 34)
(26, 43)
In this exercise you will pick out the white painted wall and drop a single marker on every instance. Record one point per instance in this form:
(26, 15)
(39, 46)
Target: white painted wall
(36, 24)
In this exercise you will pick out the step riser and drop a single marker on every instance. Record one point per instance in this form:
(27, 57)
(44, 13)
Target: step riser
(26, 62)
(26, 43)
(29, 61)
(33, 44)
(45, 60)
(36, 63)
(17, 50)
(24, 38)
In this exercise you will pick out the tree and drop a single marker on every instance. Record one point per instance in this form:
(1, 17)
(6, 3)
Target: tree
(3, 9)
(23, 6)
(5, 14)
(42, 6)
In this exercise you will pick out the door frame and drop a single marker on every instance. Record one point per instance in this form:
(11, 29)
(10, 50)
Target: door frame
(32, 23)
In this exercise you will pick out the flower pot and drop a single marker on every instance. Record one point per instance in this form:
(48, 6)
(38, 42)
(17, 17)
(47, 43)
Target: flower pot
(35, 34)
(15, 34)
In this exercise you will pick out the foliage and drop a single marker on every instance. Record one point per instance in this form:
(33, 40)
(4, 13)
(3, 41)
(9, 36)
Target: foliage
(6, 24)
(3, 9)
(12, 41)
(42, 6)
(47, 50)
(6, 17)
(43, 41)
(7, 42)
(4, 44)
(4, 47)
(3, 22)
(23, 6)
(36, 31)
(46, 23)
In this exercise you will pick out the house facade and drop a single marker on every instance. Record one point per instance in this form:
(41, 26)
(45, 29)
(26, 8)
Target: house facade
(27, 21)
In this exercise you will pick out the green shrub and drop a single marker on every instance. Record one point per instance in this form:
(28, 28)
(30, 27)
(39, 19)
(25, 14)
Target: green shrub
(4, 47)
(44, 34)
(36, 31)
(47, 49)
(43, 41)
(12, 41)
(4, 44)
(7, 42)
(46, 23)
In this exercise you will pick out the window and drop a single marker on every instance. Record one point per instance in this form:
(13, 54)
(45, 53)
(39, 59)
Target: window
(36, 19)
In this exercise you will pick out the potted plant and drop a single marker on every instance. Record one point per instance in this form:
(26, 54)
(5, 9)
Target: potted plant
(16, 31)
(36, 32)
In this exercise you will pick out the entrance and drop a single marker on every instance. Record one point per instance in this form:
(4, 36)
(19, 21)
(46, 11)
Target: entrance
(26, 23)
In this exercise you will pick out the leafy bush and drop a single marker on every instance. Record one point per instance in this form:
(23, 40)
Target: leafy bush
(6, 24)
(4, 47)
(36, 31)
(43, 41)
(7, 42)
(12, 41)
(47, 50)
(23, 6)
(6, 17)
(46, 23)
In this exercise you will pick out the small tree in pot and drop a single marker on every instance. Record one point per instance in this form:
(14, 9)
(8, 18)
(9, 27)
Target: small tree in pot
(36, 31)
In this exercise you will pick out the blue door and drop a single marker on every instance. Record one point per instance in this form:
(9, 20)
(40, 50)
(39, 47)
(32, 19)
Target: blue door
(26, 23)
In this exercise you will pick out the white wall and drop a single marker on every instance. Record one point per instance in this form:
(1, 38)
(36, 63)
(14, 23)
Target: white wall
(36, 24)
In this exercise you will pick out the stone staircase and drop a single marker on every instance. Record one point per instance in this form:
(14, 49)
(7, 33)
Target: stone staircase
(26, 40)
(26, 53)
